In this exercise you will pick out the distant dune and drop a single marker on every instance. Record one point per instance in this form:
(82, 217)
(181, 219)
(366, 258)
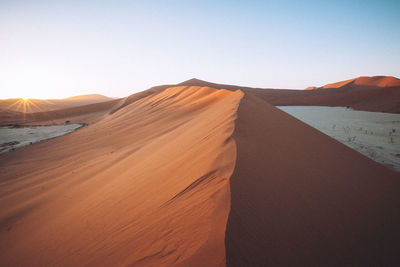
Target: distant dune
(80, 114)
(89, 98)
(195, 176)
(42, 105)
(311, 88)
(366, 82)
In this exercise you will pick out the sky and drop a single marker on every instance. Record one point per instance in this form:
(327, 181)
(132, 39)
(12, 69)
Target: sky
(56, 49)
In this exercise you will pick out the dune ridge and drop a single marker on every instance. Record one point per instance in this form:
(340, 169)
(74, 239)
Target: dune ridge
(196, 176)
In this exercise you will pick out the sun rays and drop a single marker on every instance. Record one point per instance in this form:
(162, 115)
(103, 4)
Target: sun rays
(25, 105)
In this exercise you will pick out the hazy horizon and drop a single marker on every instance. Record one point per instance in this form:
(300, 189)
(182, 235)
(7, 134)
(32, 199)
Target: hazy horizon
(116, 48)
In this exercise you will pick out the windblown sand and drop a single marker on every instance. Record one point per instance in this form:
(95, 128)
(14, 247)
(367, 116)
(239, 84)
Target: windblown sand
(195, 176)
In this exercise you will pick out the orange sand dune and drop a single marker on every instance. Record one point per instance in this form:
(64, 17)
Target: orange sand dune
(42, 105)
(91, 98)
(147, 185)
(311, 88)
(195, 176)
(375, 81)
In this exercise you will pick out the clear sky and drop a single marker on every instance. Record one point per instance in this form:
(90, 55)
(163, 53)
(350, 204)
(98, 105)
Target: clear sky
(55, 49)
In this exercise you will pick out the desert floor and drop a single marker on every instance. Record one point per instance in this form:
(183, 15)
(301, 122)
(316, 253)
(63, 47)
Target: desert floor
(374, 134)
(11, 137)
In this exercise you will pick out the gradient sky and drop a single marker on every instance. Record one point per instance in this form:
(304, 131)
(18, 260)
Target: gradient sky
(55, 49)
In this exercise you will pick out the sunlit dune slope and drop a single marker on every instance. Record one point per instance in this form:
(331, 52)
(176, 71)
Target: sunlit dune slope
(148, 186)
(195, 176)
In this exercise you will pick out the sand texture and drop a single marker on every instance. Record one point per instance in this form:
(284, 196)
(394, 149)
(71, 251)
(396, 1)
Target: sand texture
(196, 176)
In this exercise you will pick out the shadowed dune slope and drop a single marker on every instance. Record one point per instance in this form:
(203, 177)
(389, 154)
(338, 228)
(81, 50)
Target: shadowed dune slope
(299, 198)
(195, 176)
(148, 185)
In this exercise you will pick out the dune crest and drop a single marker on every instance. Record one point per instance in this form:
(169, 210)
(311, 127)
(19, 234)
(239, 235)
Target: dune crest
(196, 176)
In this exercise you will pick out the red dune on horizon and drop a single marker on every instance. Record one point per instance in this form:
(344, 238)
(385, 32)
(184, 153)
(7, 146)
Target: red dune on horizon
(365, 81)
(195, 175)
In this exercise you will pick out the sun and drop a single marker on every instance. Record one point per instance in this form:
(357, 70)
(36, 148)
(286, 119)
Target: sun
(25, 99)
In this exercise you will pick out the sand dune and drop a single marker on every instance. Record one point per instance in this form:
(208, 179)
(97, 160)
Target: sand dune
(80, 114)
(43, 105)
(89, 99)
(366, 82)
(196, 176)
(147, 185)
